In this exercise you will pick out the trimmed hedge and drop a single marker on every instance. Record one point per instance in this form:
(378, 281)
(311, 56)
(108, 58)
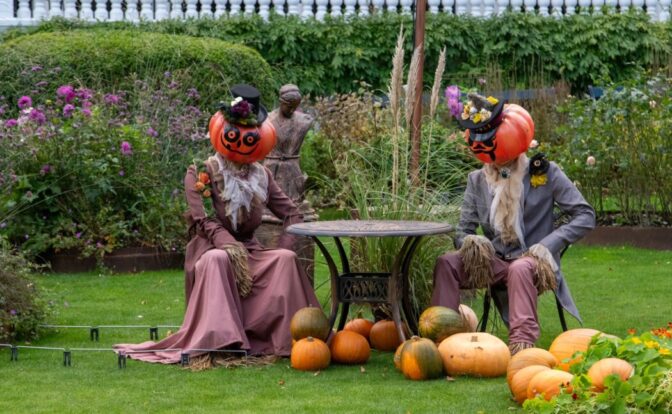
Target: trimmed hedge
(513, 50)
(111, 59)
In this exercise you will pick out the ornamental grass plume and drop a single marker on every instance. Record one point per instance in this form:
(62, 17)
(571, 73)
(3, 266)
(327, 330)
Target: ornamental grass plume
(395, 90)
(411, 83)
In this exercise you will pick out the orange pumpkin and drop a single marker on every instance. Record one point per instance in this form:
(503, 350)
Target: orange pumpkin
(469, 318)
(521, 380)
(511, 138)
(474, 353)
(348, 347)
(439, 322)
(360, 325)
(567, 343)
(310, 354)
(607, 366)
(309, 321)
(548, 383)
(420, 359)
(239, 143)
(384, 336)
(397, 356)
(527, 357)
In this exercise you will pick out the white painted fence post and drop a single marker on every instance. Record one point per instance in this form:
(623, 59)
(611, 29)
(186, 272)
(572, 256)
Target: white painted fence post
(664, 10)
(543, 7)
(235, 7)
(86, 11)
(23, 13)
(321, 9)
(264, 8)
(39, 10)
(529, 5)
(349, 7)
(501, 6)
(556, 8)
(405, 6)
(378, 6)
(6, 10)
(162, 10)
(147, 10)
(489, 8)
(116, 14)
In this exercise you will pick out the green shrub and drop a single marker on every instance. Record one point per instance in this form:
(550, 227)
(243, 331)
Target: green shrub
(21, 308)
(110, 60)
(518, 50)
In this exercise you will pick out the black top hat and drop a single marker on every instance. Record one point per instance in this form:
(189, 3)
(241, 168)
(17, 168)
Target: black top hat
(257, 112)
(487, 127)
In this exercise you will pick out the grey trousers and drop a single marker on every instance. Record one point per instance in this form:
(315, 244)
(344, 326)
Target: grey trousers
(517, 276)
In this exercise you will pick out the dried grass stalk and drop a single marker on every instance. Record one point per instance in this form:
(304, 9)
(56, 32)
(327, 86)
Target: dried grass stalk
(411, 83)
(395, 90)
(438, 74)
(216, 359)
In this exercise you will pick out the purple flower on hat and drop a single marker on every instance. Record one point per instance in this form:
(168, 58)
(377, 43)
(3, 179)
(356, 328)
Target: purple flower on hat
(242, 109)
(66, 92)
(25, 102)
(68, 109)
(126, 148)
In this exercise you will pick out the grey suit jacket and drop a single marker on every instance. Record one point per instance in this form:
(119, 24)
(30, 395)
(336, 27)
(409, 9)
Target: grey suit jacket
(537, 206)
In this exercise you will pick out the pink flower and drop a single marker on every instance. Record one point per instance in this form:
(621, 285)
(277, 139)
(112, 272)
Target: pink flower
(66, 92)
(25, 102)
(126, 148)
(68, 109)
(86, 112)
(11, 123)
(534, 143)
(591, 160)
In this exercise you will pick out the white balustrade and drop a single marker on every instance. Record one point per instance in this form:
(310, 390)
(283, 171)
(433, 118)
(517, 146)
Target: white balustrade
(29, 12)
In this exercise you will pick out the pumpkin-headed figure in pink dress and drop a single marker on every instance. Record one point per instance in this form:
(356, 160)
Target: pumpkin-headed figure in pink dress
(240, 295)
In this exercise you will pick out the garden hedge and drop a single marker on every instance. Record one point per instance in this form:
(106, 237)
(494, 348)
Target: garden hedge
(513, 50)
(113, 59)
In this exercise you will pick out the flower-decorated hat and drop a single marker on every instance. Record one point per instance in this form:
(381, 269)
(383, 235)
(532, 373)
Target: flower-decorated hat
(240, 131)
(496, 132)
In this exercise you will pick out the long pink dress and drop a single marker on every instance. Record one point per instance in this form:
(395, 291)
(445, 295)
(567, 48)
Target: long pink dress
(217, 317)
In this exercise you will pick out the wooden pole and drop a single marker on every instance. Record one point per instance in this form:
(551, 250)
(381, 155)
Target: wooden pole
(416, 128)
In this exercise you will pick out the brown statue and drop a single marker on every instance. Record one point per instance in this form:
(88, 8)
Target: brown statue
(291, 128)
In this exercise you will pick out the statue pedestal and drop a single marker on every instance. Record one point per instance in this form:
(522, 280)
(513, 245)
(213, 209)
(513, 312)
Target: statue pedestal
(271, 228)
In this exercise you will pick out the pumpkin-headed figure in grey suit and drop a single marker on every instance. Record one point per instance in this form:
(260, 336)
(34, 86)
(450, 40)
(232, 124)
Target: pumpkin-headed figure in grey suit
(512, 198)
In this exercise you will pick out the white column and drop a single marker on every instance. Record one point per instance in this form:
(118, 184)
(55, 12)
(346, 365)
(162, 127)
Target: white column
(132, 14)
(556, 8)
(235, 7)
(378, 6)
(570, 6)
(249, 7)
(264, 6)
(147, 10)
(475, 8)
(115, 12)
(6, 10)
(23, 13)
(637, 4)
(70, 9)
(336, 8)
(321, 9)
(529, 5)
(585, 5)
(489, 9)
(364, 7)
(86, 12)
(39, 10)
(652, 9)
(406, 6)
(54, 8)
(162, 10)
(664, 10)
(543, 7)
(501, 6)
(191, 9)
(349, 7)
(220, 8)
(516, 5)
(434, 5)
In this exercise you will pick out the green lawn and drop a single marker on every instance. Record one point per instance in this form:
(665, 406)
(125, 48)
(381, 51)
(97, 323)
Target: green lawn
(615, 289)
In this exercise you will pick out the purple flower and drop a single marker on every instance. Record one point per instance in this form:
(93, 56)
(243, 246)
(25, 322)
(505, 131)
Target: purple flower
(482, 81)
(12, 312)
(173, 85)
(193, 93)
(3, 225)
(78, 234)
(126, 148)
(25, 102)
(242, 109)
(452, 92)
(38, 116)
(100, 245)
(167, 74)
(111, 99)
(84, 93)
(41, 84)
(152, 132)
(26, 236)
(453, 100)
(87, 104)
(46, 169)
(66, 92)
(11, 123)
(86, 112)
(68, 109)
(121, 173)
(36, 68)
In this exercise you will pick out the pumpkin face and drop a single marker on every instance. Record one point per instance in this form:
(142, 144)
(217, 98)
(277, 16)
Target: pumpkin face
(510, 139)
(439, 322)
(608, 366)
(360, 325)
(348, 347)
(310, 354)
(521, 380)
(549, 383)
(569, 342)
(309, 321)
(477, 354)
(239, 143)
(527, 357)
(420, 359)
(384, 336)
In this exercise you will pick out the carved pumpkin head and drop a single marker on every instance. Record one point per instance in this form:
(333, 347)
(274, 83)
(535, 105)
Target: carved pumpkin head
(239, 130)
(500, 137)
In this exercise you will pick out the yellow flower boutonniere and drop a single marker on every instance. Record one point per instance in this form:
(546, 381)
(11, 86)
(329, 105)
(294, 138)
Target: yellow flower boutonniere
(537, 180)
(538, 169)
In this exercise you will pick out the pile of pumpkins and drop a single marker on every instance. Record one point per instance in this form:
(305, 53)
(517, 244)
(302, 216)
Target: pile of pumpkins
(535, 371)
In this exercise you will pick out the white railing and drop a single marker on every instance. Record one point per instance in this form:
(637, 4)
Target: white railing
(29, 12)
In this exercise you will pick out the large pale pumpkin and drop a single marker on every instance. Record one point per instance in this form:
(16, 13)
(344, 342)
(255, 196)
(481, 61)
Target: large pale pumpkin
(309, 321)
(477, 354)
(397, 356)
(310, 354)
(439, 322)
(420, 359)
(469, 318)
(607, 366)
(348, 347)
(384, 336)
(549, 383)
(567, 343)
(527, 357)
(520, 381)
(360, 325)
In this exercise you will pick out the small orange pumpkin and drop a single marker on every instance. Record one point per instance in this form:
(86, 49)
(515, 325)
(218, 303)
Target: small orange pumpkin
(310, 354)
(567, 343)
(348, 347)
(607, 366)
(420, 359)
(527, 357)
(360, 325)
(521, 380)
(309, 321)
(548, 383)
(474, 353)
(239, 143)
(439, 322)
(384, 336)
